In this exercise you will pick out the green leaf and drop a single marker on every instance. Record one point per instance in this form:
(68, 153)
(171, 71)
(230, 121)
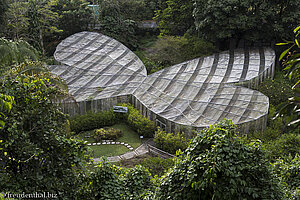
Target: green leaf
(297, 43)
(284, 53)
(280, 44)
(296, 29)
(2, 124)
(297, 89)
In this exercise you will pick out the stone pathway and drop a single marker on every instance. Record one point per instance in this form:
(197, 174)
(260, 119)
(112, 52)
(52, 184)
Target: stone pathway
(111, 142)
(142, 149)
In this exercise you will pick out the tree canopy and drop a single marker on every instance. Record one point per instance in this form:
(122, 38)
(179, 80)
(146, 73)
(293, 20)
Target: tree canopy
(246, 19)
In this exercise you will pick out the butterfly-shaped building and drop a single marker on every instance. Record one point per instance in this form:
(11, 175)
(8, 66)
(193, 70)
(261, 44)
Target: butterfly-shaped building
(101, 72)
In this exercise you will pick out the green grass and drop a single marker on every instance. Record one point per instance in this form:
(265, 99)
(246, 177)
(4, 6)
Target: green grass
(108, 150)
(129, 137)
(82, 134)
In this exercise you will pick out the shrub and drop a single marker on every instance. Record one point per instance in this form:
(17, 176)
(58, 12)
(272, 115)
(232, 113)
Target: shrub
(110, 182)
(104, 183)
(278, 90)
(170, 50)
(137, 181)
(139, 123)
(274, 129)
(287, 144)
(157, 165)
(170, 142)
(218, 165)
(92, 121)
(106, 134)
(289, 173)
(151, 66)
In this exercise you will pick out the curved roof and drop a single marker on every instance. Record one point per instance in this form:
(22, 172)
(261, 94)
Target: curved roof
(97, 66)
(198, 92)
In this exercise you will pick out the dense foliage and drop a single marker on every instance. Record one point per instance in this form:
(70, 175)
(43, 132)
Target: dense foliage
(292, 66)
(246, 19)
(15, 52)
(170, 142)
(156, 165)
(6, 103)
(176, 18)
(142, 125)
(75, 16)
(3, 9)
(285, 145)
(35, 153)
(288, 171)
(17, 20)
(113, 24)
(104, 183)
(219, 165)
(91, 121)
(171, 50)
(138, 10)
(42, 22)
(111, 182)
(278, 89)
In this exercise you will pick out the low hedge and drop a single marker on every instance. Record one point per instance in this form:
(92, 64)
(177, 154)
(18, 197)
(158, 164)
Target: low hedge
(92, 121)
(170, 142)
(139, 123)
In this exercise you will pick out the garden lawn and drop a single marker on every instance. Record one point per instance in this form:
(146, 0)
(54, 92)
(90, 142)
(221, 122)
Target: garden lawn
(129, 136)
(108, 150)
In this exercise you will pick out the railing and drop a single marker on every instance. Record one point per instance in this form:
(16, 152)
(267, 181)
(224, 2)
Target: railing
(159, 152)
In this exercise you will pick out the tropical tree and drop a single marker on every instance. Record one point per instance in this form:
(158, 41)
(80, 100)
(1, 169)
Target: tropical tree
(114, 25)
(176, 18)
(139, 10)
(246, 19)
(75, 16)
(17, 20)
(291, 61)
(36, 153)
(15, 52)
(42, 22)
